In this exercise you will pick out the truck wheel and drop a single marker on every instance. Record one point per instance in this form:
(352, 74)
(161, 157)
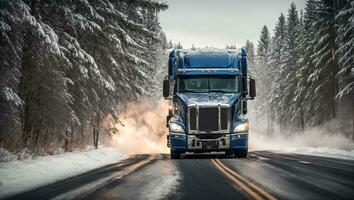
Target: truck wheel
(241, 153)
(230, 153)
(175, 154)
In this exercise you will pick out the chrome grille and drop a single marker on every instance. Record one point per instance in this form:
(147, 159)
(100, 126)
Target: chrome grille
(208, 119)
(193, 118)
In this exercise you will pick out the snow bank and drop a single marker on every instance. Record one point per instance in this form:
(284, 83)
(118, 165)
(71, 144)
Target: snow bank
(316, 141)
(323, 151)
(24, 175)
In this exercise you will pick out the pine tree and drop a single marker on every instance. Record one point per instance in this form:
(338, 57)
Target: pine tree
(288, 68)
(323, 80)
(298, 111)
(305, 66)
(277, 60)
(170, 44)
(10, 66)
(77, 59)
(312, 67)
(262, 74)
(344, 53)
(178, 46)
(250, 56)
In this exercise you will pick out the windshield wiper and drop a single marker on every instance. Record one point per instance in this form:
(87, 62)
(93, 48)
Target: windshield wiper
(223, 91)
(192, 91)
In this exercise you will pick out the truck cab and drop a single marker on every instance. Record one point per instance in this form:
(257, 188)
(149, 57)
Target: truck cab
(207, 93)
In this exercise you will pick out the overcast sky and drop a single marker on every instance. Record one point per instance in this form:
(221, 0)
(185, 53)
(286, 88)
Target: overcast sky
(220, 22)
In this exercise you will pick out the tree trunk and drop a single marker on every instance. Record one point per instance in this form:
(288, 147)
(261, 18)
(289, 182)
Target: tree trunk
(302, 120)
(96, 132)
(353, 121)
(94, 137)
(67, 141)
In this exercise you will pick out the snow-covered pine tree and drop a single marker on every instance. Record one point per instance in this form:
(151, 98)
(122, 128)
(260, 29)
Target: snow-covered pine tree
(251, 62)
(250, 56)
(170, 44)
(178, 46)
(157, 58)
(159, 65)
(231, 46)
(43, 85)
(323, 80)
(344, 52)
(276, 62)
(10, 66)
(299, 111)
(78, 59)
(262, 74)
(304, 98)
(288, 68)
(312, 67)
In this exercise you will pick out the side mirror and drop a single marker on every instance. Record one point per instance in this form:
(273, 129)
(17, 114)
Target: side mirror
(244, 107)
(166, 88)
(244, 87)
(252, 88)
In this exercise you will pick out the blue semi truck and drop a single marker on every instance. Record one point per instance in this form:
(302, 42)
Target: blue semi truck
(207, 93)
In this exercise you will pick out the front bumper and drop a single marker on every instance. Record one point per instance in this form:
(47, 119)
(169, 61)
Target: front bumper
(192, 143)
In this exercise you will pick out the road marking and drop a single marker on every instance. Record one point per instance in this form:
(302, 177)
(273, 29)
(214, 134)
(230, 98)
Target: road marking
(262, 158)
(313, 161)
(254, 191)
(89, 188)
(305, 162)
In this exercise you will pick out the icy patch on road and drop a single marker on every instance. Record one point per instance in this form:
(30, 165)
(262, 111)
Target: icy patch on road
(166, 185)
(24, 175)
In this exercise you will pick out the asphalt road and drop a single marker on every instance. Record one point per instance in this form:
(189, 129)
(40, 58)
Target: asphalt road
(263, 175)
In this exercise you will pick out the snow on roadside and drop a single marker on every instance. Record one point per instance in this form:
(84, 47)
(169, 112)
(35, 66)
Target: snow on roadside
(313, 142)
(323, 151)
(24, 175)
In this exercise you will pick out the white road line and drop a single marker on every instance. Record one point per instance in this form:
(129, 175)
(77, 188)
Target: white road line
(305, 162)
(87, 188)
(262, 158)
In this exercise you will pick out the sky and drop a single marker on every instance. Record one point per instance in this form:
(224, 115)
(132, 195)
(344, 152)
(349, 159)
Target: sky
(216, 23)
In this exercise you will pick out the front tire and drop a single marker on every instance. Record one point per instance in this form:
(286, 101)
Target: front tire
(230, 153)
(241, 153)
(175, 154)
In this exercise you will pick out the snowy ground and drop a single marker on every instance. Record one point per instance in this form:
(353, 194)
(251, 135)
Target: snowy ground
(317, 143)
(323, 151)
(20, 176)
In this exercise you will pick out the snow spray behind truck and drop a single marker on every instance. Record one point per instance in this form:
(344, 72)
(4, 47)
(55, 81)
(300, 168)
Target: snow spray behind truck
(207, 94)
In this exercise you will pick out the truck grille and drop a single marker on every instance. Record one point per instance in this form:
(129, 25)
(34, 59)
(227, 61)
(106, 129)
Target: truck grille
(208, 119)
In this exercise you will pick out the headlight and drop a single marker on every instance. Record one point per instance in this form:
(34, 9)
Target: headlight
(241, 127)
(176, 128)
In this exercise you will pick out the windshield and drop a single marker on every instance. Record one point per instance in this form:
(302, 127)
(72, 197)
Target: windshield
(214, 83)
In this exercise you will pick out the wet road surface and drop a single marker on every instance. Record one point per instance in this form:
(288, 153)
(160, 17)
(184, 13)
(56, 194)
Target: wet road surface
(263, 175)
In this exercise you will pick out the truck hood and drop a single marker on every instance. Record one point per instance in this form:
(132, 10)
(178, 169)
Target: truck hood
(208, 98)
